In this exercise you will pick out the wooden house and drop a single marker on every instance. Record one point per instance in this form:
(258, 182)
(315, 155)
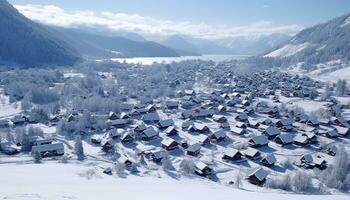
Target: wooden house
(232, 155)
(258, 141)
(257, 176)
(269, 160)
(194, 149)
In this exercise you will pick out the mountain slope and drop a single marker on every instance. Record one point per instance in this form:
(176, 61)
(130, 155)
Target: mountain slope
(27, 43)
(318, 44)
(182, 46)
(100, 45)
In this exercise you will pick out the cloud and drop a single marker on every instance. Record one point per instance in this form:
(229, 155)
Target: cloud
(53, 15)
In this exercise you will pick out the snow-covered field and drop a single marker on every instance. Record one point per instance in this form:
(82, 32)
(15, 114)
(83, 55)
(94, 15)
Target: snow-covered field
(55, 181)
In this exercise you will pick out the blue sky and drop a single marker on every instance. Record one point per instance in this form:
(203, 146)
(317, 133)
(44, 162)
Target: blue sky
(228, 13)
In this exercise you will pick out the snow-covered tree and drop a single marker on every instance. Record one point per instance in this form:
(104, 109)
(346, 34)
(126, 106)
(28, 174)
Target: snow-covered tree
(78, 148)
(187, 167)
(301, 181)
(37, 157)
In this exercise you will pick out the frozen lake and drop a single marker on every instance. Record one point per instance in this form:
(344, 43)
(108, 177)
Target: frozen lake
(150, 60)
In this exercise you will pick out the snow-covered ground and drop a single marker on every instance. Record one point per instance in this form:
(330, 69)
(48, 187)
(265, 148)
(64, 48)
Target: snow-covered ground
(287, 50)
(8, 109)
(56, 181)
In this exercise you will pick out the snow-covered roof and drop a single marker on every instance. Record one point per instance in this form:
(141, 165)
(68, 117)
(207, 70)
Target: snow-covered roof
(286, 138)
(194, 147)
(259, 173)
(270, 158)
(150, 132)
(260, 140)
(251, 152)
(272, 131)
(166, 122)
(48, 147)
(167, 141)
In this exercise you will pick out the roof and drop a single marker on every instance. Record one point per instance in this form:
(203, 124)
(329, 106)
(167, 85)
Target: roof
(237, 130)
(231, 152)
(286, 121)
(150, 132)
(300, 138)
(251, 152)
(286, 138)
(194, 147)
(167, 141)
(270, 158)
(219, 134)
(166, 123)
(259, 173)
(200, 165)
(151, 117)
(48, 147)
(272, 131)
(260, 140)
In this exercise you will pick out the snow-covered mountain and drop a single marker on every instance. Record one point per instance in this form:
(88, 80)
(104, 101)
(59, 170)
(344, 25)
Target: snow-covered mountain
(182, 46)
(254, 45)
(27, 43)
(94, 44)
(321, 43)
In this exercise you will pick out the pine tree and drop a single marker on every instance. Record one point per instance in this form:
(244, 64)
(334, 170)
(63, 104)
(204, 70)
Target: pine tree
(37, 157)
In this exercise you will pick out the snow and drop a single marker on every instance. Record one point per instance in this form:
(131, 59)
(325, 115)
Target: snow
(346, 22)
(8, 109)
(86, 181)
(288, 50)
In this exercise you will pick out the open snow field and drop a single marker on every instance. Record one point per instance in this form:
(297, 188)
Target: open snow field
(55, 181)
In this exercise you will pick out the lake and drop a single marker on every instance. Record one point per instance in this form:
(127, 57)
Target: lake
(150, 60)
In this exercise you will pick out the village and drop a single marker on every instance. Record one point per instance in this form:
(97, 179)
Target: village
(245, 130)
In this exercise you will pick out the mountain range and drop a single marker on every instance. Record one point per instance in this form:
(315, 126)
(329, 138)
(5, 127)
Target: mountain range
(326, 42)
(27, 43)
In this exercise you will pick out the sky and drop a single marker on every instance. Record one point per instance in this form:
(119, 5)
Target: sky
(197, 18)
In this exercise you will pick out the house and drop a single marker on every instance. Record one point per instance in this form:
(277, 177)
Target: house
(313, 122)
(332, 150)
(252, 153)
(157, 156)
(284, 139)
(150, 118)
(7, 148)
(126, 137)
(238, 131)
(232, 155)
(149, 134)
(202, 169)
(222, 108)
(198, 128)
(116, 133)
(172, 105)
(258, 141)
(219, 118)
(285, 124)
(310, 136)
(203, 139)
(118, 123)
(42, 141)
(163, 124)
(329, 133)
(301, 140)
(70, 118)
(194, 149)
(310, 161)
(171, 130)
(269, 160)
(257, 176)
(342, 131)
(253, 123)
(240, 125)
(225, 126)
(4, 123)
(107, 144)
(140, 127)
(125, 160)
(30, 119)
(56, 149)
(169, 144)
(186, 114)
(151, 108)
(271, 132)
(186, 124)
(18, 120)
(242, 117)
(112, 116)
(202, 113)
(124, 115)
(218, 136)
(95, 139)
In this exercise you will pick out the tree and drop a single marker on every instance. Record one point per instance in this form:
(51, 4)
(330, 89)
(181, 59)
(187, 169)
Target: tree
(187, 167)
(239, 178)
(301, 181)
(167, 164)
(37, 157)
(78, 148)
(335, 175)
(120, 169)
